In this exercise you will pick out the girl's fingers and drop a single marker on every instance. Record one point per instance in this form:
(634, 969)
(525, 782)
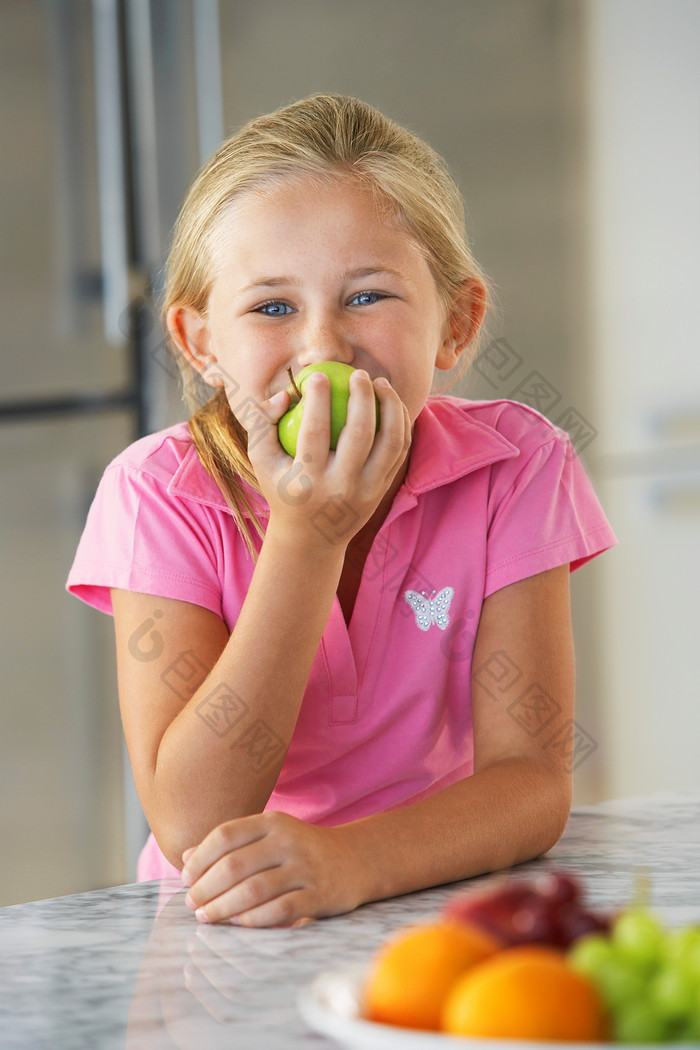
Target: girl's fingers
(357, 436)
(393, 439)
(289, 909)
(359, 471)
(391, 407)
(264, 899)
(234, 869)
(219, 842)
(270, 411)
(315, 430)
(278, 879)
(260, 420)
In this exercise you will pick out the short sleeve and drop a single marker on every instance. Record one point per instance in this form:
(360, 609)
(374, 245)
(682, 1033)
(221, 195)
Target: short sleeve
(547, 515)
(140, 537)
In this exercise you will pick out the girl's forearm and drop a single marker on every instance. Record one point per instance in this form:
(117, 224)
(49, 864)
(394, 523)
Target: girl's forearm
(508, 813)
(221, 756)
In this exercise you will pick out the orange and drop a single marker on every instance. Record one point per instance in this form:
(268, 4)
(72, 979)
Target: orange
(412, 973)
(525, 993)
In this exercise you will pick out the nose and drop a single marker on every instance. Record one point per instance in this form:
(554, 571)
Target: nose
(324, 338)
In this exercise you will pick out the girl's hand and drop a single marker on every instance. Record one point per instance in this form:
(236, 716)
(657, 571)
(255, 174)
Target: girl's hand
(320, 484)
(270, 869)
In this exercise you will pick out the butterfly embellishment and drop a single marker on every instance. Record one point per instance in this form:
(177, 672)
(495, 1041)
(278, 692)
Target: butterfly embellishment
(429, 611)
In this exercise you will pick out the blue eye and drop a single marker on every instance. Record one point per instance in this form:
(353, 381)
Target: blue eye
(374, 296)
(275, 306)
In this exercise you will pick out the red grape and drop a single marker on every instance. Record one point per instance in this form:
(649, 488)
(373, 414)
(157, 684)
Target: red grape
(575, 922)
(535, 922)
(558, 888)
(546, 910)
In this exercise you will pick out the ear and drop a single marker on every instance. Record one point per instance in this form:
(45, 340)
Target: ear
(190, 333)
(463, 324)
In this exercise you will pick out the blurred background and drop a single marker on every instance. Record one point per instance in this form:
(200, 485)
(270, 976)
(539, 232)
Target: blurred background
(573, 129)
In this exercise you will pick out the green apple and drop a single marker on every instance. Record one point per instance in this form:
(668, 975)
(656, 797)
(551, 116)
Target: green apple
(339, 375)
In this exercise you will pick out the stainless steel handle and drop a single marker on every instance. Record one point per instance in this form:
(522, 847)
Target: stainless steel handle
(69, 262)
(150, 155)
(207, 71)
(111, 175)
(145, 138)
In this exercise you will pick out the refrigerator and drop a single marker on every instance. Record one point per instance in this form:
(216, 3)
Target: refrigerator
(109, 108)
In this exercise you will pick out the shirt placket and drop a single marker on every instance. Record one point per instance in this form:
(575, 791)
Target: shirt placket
(346, 648)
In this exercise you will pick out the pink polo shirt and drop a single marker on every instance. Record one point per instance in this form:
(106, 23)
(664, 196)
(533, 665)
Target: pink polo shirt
(494, 493)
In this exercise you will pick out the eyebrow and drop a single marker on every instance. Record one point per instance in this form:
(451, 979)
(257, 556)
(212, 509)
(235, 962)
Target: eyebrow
(351, 275)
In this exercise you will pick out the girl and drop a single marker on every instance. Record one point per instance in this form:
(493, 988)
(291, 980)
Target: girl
(349, 675)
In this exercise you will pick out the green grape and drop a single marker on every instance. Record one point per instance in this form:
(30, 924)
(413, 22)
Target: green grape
(683, 949)
(648, 977)
(692, 963)
(639, 937)
(682, 945)
(638, 1022)
(690, 1031)
(673, 992)
(590, 954)
(597, 958)
(687, 1036)
(618, 983)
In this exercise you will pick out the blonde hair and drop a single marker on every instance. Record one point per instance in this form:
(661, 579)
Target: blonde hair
(322, 137)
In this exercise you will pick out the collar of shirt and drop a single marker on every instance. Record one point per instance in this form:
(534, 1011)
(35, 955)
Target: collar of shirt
(448, 443)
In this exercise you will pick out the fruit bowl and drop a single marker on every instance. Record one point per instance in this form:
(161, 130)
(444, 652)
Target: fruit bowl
(332, 1006)
(522, 963)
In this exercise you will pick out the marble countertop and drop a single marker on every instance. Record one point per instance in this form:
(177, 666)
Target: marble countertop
(130, 966)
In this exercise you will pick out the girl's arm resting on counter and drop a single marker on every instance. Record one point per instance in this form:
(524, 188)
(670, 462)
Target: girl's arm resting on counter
(205, 750)
(515, 805)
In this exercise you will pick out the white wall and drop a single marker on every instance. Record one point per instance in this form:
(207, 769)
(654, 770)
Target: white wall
(644, 265)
